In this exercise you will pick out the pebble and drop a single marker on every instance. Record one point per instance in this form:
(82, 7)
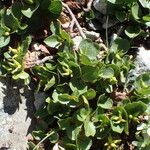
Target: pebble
(101, 6)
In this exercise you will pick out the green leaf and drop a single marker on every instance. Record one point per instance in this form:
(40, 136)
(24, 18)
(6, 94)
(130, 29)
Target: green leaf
(55, 27)
(89, 128)
(116, 127)
(31, 145)
(53, 41)
(55, 8)
(120, 44)
(135, 11)
(123, 117)
(83, 114)
(29, 11)
(70, 125)
(12, 22)
(21, 75)
(53, 137)
(136, 108)
(104, 102)
(26, 41)
(89, 48)
(107, 73)
(145, 3)
(90, 73)
(49, 84)
(121, 16)
(90, 94)
(29, 2)
(112, 1)
(66, 36)
(83, 142)
(132, 31)
(78, 85)
(4, 40)
(146, 18)
(66, 98)
(142, 84)
(38, 135)
(2, 31)
(85, 60)
(16, 10)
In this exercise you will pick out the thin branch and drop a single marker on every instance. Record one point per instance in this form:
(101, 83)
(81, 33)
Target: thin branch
(38, 62)
(89, 5)
(74, 20)
(43, 140)
(103, 46)
(107, 21)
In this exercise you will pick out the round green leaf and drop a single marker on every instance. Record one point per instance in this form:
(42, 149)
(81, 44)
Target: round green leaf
(89, 48)
(90, 94)
(21, 75)
(84, 143)
(135, 11)
(107, 73)
(132, 31)
(49, 84)
(120, 44)
(55, 8)
(4, 40)
(90, 73)
(146, 18)
(145, 3)
(136, 108)
(112, 1)
(53, 137)
(89, 128)
(52, 41)
(83, 114)
(121, 16)
(104, 102)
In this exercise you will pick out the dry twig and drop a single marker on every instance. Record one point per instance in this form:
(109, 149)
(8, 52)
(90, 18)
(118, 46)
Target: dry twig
(74, 21)
(89, 5)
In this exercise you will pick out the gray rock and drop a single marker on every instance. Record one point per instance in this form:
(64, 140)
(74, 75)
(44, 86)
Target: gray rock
(77, 40)
(95, 25)
(111, 22)
(142, 65)
(101, 6)
(142, 62)
(39, 99)
(92, 35)
(16, 114)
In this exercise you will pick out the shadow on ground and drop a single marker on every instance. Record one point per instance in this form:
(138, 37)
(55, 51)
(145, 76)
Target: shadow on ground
(16, 113)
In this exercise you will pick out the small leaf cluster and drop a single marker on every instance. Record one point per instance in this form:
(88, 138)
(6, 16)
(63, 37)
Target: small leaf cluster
(133, 13)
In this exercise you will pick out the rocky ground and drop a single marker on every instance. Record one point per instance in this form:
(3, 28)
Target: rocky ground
(16, 115)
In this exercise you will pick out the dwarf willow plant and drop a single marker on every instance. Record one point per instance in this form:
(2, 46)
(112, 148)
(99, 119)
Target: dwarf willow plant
(133, 13)
(89, 103)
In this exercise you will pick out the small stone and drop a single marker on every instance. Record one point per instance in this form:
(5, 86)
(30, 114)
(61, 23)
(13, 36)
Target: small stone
(101, 6)
(111, 22)
(9, 119)
(95, 25)
(92, 35)
(77, 40)
(39, 99)
(10, 130)
(142, 64)
(3, 122)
